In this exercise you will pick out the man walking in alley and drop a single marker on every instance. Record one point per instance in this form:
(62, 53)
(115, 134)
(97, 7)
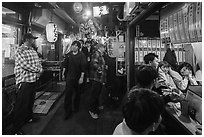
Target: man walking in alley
(98, 79)
(75, 66)
(27, 71)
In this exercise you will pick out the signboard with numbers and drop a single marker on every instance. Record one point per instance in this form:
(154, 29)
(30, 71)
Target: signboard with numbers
(171, 28)
(175, 20)
(199, 20)
(186, 22)
(181, 26)
(191, 16)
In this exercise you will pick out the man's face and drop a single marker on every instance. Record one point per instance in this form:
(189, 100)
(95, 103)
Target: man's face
(155, 62)
(74, 47)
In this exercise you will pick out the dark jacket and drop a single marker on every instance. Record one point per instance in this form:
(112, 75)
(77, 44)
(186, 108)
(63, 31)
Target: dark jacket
(170, 57)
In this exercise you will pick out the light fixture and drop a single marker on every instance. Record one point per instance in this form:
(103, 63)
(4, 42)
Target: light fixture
(51, 31)
(88, 13)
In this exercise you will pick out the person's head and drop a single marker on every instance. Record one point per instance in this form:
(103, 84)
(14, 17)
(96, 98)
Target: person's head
(151, 59)
(185, 69)
(100, 47)
(142, 110)
(29, 39)
(146, 76)
(88, 43)
(164, 66)
(75, 46)
(82, 42)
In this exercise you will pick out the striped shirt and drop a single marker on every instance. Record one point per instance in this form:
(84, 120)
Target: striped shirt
(27, 65)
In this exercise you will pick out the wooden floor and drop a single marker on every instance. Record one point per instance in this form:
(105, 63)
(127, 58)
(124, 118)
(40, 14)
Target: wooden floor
(81, 123)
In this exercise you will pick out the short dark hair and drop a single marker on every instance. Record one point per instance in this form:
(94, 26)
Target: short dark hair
(188, 66)
(149, 57)
(142, 108)
(145, 75)
(77, 42)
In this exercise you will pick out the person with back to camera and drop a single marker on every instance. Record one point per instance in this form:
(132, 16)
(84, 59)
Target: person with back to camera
(170, 56)
(142, 113)
(152, 60)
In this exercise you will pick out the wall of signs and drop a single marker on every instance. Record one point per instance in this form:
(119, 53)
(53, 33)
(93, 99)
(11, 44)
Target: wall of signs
(183, 24)
(144, 45)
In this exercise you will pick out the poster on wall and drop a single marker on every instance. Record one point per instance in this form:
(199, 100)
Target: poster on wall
(136, 42)
(199, 20)
(186, 23)
(191, 15)
(175, 21)
(136, 57)
(120, 60)
(166, 30)
(181, 26)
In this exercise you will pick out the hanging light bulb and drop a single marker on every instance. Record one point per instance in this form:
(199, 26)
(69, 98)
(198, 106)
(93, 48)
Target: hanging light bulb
(51, 32)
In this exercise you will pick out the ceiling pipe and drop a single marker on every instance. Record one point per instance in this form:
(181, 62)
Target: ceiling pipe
(62, 14)
(154, 6)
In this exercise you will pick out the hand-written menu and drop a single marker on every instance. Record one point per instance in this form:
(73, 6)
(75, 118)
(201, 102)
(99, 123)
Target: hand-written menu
(182, 25)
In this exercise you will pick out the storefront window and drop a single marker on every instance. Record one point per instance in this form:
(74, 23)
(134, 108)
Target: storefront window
(9, 40)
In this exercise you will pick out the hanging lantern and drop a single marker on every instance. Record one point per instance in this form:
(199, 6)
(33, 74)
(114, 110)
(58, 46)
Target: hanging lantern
(51, 32)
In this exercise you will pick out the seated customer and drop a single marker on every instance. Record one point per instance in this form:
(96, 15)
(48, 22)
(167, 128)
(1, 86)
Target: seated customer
(186, 71)
(147, 78)
(142, 113)
(164, 76)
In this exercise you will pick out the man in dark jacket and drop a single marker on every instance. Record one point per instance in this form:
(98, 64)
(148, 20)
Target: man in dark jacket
(75, 66)
(170, 57)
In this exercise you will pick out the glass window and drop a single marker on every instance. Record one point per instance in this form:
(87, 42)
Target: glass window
(9, 40)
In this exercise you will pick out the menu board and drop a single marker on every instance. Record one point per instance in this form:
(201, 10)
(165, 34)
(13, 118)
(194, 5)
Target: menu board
(136, 56)
(158, 43)
(166, 28)
(181, 26)
(186, 22)
(149, 43)
(136, 42)
(171, 27)
(191, 15)
(198, 20)
(140, 56)
(175, 22)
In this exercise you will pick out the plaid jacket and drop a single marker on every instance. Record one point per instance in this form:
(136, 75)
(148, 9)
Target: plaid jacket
(27, 65)
(97, 67)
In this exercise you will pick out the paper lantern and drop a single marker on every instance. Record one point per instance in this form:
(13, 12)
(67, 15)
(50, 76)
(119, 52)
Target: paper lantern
(51, 32)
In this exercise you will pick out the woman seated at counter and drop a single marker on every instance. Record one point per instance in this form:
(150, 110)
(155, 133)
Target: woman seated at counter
(142, 113)
(186, 71)
(171, 79)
